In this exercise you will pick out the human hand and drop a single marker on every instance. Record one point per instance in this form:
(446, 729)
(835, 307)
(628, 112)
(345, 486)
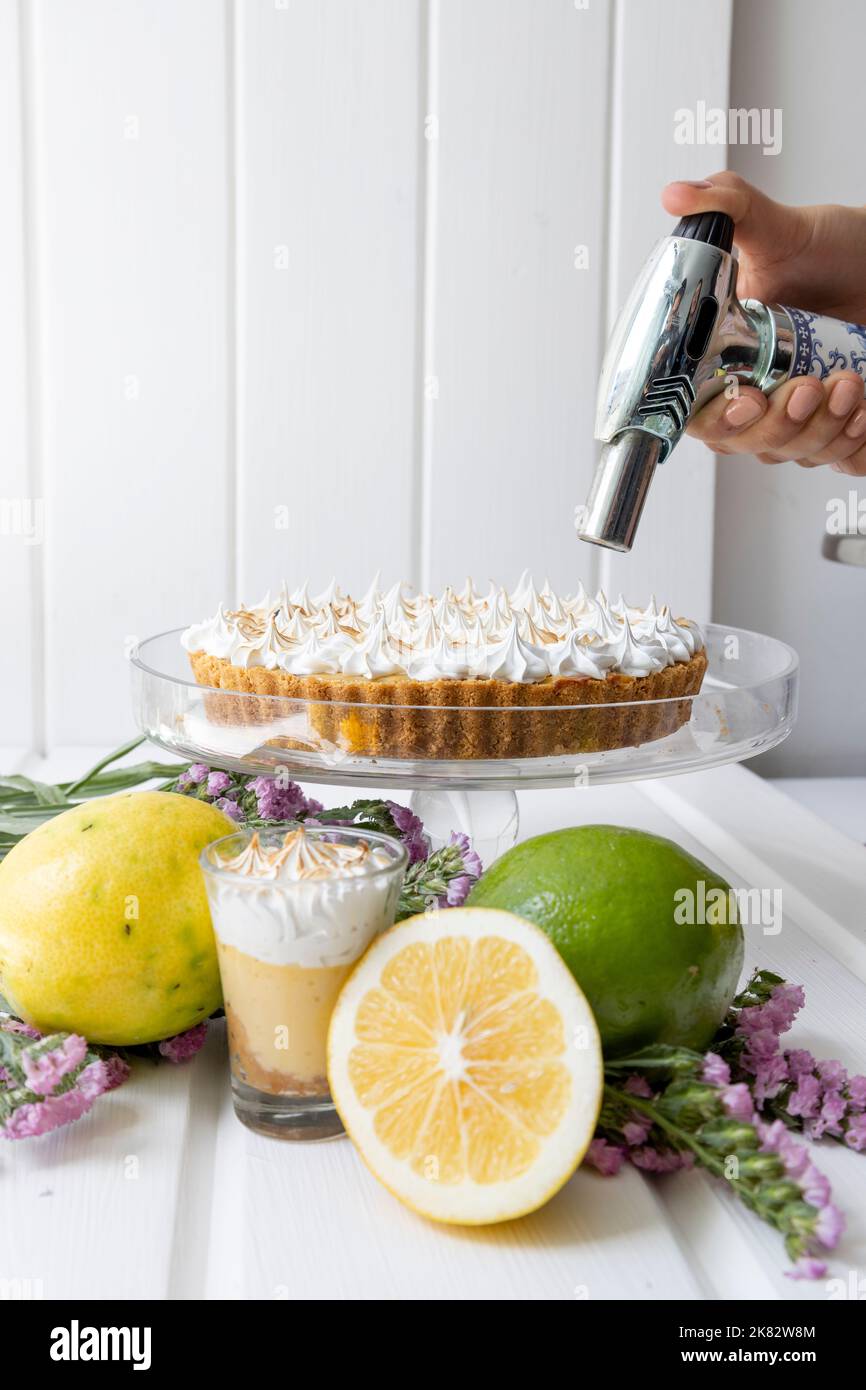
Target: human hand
(808, 420)
(812, 258)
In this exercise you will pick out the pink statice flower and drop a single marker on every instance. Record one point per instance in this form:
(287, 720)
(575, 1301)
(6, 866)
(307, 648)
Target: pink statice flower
(105, 1074)
(41, 1116)
(857, 1093)
(738, 1103)
(832, 1075)
(805, 1099)
(829, 1225)
(833, 1111)
(747, 1075)
(762, 1045)
(411, 831)
(829, 1118)
(825, 1098)
(783, 1005)
(463, 862)
(775, 1015)
(750, 1021)
(217, 783)
(815, 1186)
(281, 803)
(770, 1076)
(14, 1025)
(855, 1133)
(807, 1267)
(637, 1086)
(184, 1045)
(44, 1071)
(471, 862)
(762, 1060)
(458, 890)
(51, 1081)
(715, 1071)
(651, 1160)
(800, 1063)
(605, 1158)
(828, 1222)
(635, 1131)
(775, 1138)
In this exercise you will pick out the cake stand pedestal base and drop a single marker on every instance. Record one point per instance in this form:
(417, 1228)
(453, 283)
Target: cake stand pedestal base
(490, 818)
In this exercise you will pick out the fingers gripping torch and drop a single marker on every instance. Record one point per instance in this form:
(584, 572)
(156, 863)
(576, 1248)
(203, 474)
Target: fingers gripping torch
(682, 337)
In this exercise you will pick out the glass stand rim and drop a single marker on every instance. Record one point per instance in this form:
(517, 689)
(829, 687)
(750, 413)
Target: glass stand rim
(746, 706)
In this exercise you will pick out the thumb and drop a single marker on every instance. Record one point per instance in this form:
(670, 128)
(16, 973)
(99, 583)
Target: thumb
(764, 229)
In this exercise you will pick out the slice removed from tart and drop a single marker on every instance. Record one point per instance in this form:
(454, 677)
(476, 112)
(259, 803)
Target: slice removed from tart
(465, 1065)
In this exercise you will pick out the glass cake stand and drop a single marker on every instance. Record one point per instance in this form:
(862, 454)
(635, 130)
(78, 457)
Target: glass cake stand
(747, 704)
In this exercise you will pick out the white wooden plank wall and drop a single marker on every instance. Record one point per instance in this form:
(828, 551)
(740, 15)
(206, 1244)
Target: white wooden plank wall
(330, 143)
(522, 105)
(20, 484)
(668, 55)
(293, 290)
(132, 205)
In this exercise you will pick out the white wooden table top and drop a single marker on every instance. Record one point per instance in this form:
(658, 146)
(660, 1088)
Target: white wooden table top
(160, 1192)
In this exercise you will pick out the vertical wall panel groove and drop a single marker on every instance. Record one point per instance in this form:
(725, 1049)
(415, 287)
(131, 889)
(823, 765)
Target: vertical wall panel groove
(770, 574)
(29, 78)
(231, 297)
(131, 111)
(20, 479)
(427, 363)
(417, 502)
(328, 286)
(520, 184)
(673, 553)
(612, 112)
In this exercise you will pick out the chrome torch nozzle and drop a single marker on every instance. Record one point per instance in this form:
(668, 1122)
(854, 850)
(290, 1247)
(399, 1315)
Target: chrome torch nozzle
(619, 488)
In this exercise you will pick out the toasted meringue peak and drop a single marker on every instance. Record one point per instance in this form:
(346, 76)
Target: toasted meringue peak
(524, 634)
(305, 856)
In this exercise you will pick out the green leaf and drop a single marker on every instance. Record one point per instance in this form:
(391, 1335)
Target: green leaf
(104, 762)
(121, 778)
(44, 793)
(11, 1047)
(366, 813)
(28, 803)
(659, 1057)
(20, 823)
(758, 989)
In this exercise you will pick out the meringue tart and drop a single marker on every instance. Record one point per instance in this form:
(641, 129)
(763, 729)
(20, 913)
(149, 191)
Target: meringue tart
(524, 673)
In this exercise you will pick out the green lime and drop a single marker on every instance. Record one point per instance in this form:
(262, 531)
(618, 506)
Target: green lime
(648, 931)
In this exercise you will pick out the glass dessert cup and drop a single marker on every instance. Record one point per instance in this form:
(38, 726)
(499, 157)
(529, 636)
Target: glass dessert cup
(291, 915)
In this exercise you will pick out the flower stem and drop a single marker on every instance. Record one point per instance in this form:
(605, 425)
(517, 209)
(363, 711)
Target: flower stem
(715, 1163)
(682, 1137)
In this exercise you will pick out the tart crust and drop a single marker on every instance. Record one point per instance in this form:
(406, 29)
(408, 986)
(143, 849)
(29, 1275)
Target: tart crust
(457, 719)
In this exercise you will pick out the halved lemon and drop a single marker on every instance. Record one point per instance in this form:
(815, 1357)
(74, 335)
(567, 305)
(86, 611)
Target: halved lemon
(465, 1064)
